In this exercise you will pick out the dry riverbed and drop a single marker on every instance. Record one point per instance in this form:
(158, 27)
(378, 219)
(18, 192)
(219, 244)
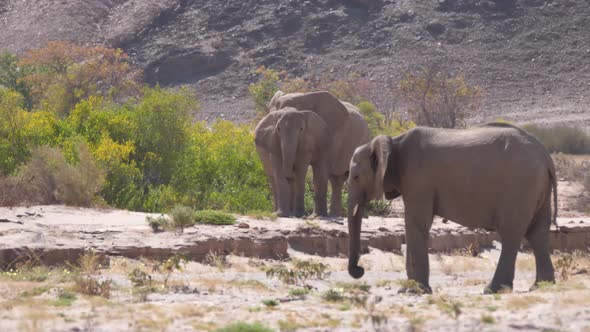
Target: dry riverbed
(228, 289)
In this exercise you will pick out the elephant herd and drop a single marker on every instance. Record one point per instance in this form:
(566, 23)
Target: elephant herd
(495, 176)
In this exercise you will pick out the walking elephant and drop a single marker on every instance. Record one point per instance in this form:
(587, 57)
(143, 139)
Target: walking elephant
(347, 128)
(288, 142)
(496, 177)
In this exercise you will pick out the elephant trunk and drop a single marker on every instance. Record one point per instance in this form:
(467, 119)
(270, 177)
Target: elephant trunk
(288, 151)
(355, 217)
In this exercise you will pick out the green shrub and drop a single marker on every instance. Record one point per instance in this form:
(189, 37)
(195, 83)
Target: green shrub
(222, 171)
(563, 139)
(182, 217)
(300, 273)
(213, 217)
(11, 77)
(50, 179)
(264, 89)
(244, 327)
(158, 224)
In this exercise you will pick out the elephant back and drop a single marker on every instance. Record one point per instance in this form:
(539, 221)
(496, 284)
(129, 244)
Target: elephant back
(323, 103)
(352, 135)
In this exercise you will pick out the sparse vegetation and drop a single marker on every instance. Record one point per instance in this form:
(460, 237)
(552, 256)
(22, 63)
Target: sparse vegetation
(562, 139)
(565, 265)
(89, 285)
(438, 98)
(446, 305)
(487, 319)
(270, 303)
(301, 271)
(411, 286)
(299, 292)
(89, 262)
(245, 327)
(523, 302)
(213, 217)
(333, 295)
(64, 299)
(182, 217)
(158, 224)
(167, 267)
(217, 259)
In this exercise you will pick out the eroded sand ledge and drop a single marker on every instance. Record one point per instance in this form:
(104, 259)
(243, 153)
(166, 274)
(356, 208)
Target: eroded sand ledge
(56, 234)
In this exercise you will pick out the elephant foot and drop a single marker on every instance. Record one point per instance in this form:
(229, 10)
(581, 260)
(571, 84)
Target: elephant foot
(356, 272)
(298, 214)
(541, 284)
(497, 288)
(282, 214)
(414, 287)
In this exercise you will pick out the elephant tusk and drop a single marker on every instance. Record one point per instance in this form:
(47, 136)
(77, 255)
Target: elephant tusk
(355, 210)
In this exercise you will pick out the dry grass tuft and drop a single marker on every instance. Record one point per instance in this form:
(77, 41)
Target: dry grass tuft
(517, 302)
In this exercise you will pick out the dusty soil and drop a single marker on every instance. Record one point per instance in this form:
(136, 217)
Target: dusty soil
(531, 57)
(224, 279)
(204, 298)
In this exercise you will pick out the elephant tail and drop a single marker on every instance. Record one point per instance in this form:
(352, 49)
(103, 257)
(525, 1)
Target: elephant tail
(553, 177)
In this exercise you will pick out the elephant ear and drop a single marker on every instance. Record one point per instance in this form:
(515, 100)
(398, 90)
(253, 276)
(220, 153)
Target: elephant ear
(317, 132)
(265, 135)
(273, 104)
(380, 152)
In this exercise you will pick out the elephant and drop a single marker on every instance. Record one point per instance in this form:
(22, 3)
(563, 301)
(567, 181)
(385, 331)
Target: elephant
(347, 127)
(495, 176)
(288, 141)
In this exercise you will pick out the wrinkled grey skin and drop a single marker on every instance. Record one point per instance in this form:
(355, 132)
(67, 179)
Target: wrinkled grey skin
(496, 177)
(288, 142)
(347, 127)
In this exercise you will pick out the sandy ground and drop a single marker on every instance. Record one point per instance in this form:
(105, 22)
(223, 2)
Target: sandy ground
(205, 298)
(226, 289)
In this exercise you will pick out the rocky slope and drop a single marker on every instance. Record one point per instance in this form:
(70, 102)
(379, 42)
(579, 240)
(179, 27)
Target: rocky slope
(532, 57)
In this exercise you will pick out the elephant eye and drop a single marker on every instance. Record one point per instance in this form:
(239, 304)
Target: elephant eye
(355, 178)
(301, 129)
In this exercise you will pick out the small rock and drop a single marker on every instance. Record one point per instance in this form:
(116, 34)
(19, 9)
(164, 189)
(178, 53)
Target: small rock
(243, 225)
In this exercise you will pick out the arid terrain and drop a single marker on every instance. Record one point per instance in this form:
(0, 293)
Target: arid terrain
(52, 253)
(203, 298)
(102, 269)
(531, 57)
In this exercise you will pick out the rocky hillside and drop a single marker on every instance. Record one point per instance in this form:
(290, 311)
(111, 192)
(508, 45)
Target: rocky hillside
(532, 57)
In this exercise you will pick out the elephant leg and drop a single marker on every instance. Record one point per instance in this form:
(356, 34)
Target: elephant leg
(418, 221)
(336, 181)
(283, 189)
(504, 275)
(299, 192)
(320, 188)
(538, 238)
(268, 170)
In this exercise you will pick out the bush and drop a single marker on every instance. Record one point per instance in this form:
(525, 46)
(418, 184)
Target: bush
(49, 179)
(182, 217)
(436, 98)
(213, 218)
(563, 139)
(158, 224)
(222, 171)
(245, 327)
(61, 74)
(264, 89)
(88, 285)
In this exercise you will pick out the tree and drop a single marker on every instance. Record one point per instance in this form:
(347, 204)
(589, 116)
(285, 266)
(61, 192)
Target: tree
(61, 74)
(264, 89)
(11, 77)
(435, 98)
